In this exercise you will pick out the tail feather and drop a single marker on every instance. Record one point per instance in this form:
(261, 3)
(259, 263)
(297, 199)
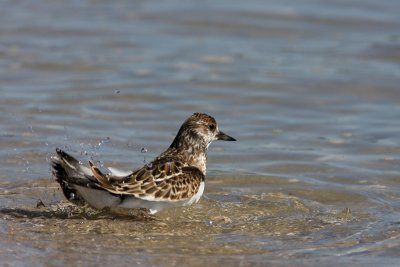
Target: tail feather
(100, 177)
(82, 185)
(68, 172)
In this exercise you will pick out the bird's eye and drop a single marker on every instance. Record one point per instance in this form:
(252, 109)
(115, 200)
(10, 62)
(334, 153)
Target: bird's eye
(211, 127)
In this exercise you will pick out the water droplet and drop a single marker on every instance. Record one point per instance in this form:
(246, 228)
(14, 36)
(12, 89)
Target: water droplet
(143, 150)
(102, 142)
(40, 204)
(49, 157)
(97, 163)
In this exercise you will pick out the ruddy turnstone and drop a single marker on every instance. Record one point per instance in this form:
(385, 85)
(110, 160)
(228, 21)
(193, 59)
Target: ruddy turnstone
(174, 178)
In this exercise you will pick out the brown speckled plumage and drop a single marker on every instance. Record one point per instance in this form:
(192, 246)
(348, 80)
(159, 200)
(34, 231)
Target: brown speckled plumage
(176, 176)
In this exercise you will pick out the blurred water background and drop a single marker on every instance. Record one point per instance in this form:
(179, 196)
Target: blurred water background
(309, 88)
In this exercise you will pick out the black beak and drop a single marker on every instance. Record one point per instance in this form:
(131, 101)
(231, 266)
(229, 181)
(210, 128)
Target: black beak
(224, 137)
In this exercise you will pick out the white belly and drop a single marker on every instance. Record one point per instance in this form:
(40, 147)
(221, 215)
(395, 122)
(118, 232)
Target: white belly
(100, 199)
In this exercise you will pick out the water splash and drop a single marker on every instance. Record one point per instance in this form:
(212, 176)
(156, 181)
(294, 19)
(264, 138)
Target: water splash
(149, 165)
(143, 151)
(91, 150)
(103, 142)
(26, 163)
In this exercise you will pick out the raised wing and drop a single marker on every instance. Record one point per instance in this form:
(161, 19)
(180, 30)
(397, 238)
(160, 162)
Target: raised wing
(162, 181)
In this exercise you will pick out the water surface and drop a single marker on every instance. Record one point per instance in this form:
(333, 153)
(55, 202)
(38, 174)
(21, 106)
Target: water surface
(309, 89)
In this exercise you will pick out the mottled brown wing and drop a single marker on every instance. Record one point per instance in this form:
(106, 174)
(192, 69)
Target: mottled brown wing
(162, 181)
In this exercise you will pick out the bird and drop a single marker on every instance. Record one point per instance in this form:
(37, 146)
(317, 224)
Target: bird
(174, 178)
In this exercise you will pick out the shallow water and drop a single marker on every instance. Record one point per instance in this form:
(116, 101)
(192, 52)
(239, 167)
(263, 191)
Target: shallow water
(309, 89)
